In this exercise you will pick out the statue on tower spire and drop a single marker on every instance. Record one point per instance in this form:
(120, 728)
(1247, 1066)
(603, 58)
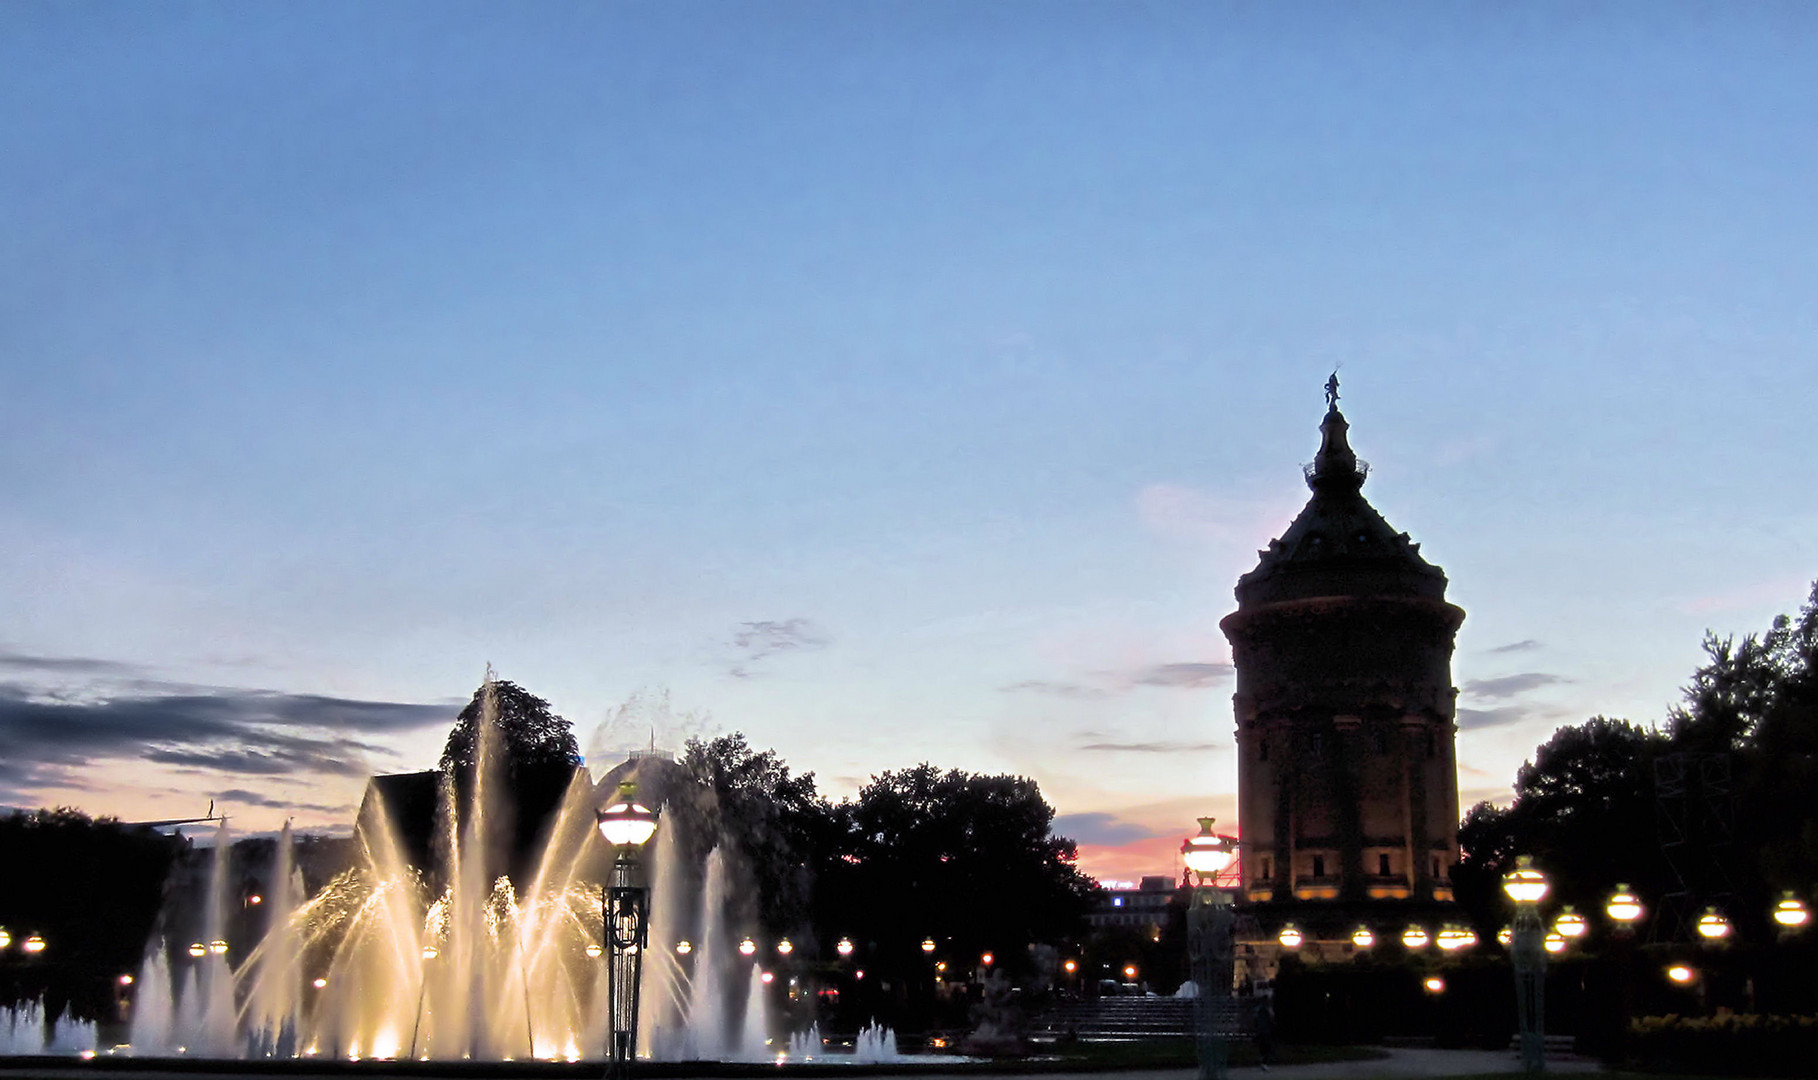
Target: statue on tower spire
(1332, 390)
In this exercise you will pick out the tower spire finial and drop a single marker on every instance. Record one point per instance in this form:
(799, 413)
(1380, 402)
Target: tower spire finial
(1332, 390)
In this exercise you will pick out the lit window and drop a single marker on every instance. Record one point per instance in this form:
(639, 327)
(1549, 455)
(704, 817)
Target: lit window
(1117, 901)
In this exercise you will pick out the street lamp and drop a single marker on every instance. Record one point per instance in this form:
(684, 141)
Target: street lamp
(1624, 908)
(197, 950)
(1452, 938)
(625, 911)
(1209, 957)
(747, 947)
(33, 944)
(1570, 924)
(1414, 937)
(1790, 912)
(845, 947)
(927, 944)
(1363, 937)
(1712, 926)
(1527, 886)
(1290, 936)
(785, 947)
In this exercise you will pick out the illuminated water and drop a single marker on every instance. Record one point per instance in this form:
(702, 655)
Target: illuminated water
(373, 966)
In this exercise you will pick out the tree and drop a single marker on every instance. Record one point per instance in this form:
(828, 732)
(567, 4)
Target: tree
(777, 822)
(1584, 809)
(964, 858)
(532, 735)
(92, 888)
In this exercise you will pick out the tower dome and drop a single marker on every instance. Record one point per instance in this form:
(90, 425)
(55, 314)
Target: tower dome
(1342, 640)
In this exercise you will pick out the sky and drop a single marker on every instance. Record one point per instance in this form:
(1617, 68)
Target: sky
(889, 382)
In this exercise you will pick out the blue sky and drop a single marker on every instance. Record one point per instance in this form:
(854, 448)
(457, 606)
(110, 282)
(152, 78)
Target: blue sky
(891, 382)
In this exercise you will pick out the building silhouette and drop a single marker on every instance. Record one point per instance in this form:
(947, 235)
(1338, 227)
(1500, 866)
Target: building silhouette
(1347, 783)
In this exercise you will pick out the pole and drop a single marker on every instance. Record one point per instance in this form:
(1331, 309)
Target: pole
(1209, 958)
(1528, 951)
(627, 919)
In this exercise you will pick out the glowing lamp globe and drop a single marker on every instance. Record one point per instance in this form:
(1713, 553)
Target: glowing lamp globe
(785, 947)
(1434, 984)
(1791, 911)
(1363, 938)
(1624, 907)
(198, 950)
(1452, 938)
(844, 948)
(1681, 974)
(593, 951)
(430, 952)
(747, 947)
(928, 944)
(33, 944)
(217, 946)
(126, 980)
(1290, 937)
(1524, 884)
(626, 823)
(6, 938)
(1208, 854)
(1555, 942)
(1414, 937)
(1130, 972)
(1570, 924)
(683, 948)
(987, 959)
(1071, 966)
(1712, 925)
(1505, 935)
(318, 983)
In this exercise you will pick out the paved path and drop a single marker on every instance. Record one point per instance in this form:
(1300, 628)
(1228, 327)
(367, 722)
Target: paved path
(1400, 1063)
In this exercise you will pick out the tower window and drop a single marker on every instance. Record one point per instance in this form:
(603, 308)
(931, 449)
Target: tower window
(1435, 868)
(1265, 868)
(1382, 864)
(1319, 866)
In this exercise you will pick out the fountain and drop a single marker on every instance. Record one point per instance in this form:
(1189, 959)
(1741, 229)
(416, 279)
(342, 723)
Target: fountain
(390, 961)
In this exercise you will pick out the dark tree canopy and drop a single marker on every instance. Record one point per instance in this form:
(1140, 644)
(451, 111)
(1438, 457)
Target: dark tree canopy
(964, 858)
(776, 821)
(92, 889)
(534, 737)
(1588, 808)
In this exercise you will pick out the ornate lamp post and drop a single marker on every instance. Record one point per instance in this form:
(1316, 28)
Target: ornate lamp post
(625, 911)
(1625, 910)
(1209, 945)
(1527, 886)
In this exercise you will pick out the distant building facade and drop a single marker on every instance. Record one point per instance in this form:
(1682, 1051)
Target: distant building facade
(1144, 908)
(1347, 782)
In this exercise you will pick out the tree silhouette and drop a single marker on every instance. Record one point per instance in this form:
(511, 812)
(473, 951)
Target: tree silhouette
(533, 737)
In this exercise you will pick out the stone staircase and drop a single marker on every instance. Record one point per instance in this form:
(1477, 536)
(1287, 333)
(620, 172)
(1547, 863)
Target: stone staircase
(1109, 1018)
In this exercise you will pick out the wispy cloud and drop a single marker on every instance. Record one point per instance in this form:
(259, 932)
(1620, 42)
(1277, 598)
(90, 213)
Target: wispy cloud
(1188, 675)
(52, 740)
(1058, 689)
(243, 797)
(1508, 686)
(1503, 715)
(1158, 747)
(1191, 675)
(756, 641)
(1100, 828)
(65, 665)
(1524, 645)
